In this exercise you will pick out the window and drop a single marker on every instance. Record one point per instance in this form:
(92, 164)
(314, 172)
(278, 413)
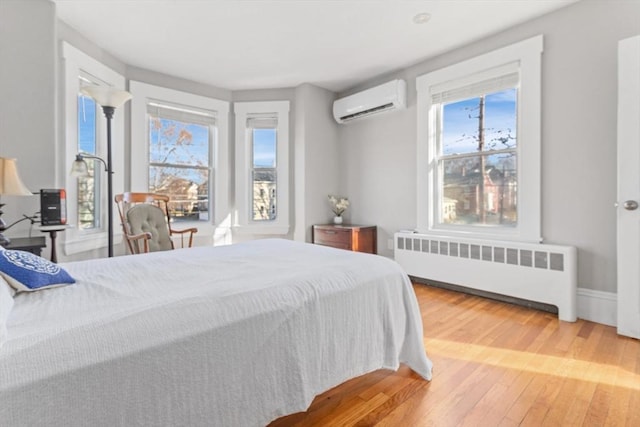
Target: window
(262, 167)
(476, 155)
(263, 140)
(179, 158)
(185, 155)
(479, 146)
(84, 131)
(89, 187)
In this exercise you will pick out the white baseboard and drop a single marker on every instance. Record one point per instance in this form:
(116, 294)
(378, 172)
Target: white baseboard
(598, 306)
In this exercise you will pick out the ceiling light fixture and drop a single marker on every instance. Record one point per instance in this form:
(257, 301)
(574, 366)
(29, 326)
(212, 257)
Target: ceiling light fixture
(421, 18)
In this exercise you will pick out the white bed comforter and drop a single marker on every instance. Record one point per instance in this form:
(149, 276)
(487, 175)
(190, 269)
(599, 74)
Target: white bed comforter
(227, 336)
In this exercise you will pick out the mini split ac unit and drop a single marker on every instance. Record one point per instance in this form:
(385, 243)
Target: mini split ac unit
(388, 96)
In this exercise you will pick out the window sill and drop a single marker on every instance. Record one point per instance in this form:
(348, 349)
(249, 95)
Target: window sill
(75, 243)
(261, 229)
(480, 233)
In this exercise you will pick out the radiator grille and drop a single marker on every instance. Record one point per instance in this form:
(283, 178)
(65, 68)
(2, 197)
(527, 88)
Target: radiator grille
(488, 253)
(529, 271)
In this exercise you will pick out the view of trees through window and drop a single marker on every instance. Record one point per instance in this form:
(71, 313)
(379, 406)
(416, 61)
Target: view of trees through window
(88, 187)
(478, 160)
(264, 174)
(179, 165)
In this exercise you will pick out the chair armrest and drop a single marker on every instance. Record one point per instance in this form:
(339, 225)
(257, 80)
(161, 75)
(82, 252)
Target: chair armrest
(186, 230)
(191, 232)
(145, 235)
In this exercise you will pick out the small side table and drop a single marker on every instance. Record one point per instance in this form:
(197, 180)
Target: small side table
(53, 233)
(27, 244)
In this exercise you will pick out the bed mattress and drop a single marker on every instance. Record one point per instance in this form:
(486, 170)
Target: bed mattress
(210, 336)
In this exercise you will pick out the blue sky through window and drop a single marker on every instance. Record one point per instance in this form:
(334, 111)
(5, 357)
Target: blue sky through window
(460, 123)
(86, 124)
(179, 143)
(264, 148)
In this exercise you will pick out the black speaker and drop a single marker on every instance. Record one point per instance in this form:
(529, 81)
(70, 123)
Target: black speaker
(53, 207)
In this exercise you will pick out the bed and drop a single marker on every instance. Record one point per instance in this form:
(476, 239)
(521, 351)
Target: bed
(236, 335)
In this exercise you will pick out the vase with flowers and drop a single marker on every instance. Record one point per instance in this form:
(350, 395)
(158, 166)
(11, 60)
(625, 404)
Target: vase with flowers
(338, 204)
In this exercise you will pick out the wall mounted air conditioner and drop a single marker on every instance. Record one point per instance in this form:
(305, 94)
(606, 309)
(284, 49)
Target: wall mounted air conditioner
(388, 96)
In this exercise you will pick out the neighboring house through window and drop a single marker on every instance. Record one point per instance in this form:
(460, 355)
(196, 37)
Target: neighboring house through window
(262, 167)
(180, 162)
(479, 146)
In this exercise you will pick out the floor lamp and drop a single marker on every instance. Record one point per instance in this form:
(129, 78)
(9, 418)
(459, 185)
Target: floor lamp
(109, 99)
(10, 185)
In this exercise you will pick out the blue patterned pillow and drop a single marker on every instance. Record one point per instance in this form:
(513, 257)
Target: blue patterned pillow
(25, 271)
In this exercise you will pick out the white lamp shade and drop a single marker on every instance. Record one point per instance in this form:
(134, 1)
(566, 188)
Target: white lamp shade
(107, 96)
(10, 182)
(79, 168)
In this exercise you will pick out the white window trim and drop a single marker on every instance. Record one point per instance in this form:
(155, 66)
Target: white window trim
(528, 54)
(219, 220)
(242, 222)
(75, 62)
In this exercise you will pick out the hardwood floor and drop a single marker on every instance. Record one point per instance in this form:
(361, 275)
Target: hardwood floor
(495, 364)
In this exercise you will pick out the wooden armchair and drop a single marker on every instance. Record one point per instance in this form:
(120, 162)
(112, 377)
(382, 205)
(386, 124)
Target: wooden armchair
(146, 223)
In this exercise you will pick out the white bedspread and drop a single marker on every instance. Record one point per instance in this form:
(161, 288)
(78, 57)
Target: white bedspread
(227, 336)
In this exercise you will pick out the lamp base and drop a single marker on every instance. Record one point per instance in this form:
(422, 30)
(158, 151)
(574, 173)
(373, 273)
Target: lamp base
(3, 226)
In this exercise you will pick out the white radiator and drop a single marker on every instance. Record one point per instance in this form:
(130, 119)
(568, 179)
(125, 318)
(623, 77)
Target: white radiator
(534, 272)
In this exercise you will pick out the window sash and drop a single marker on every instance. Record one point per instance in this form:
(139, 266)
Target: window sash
(187, 116)
(264, 207)
(89, 193)
(443, 214)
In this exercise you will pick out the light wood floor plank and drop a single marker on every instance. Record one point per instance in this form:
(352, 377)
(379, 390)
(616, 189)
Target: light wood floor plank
(495, 364)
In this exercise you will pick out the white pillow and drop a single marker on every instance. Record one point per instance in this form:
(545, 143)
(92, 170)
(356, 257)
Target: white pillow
(6, 304)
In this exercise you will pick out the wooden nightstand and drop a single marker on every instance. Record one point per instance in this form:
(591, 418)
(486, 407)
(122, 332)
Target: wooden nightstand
(359, 238)
(27, 244)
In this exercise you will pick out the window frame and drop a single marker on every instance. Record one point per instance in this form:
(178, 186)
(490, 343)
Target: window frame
(94, 165)
(76, 63)
(243, 222)
(251, 134)
(188, 116)
(218, 224)
(527, 54)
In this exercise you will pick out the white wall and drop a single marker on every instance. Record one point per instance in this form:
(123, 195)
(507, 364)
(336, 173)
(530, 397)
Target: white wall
(317, 165)
(28, 101)
(376, 156)
(578, 136)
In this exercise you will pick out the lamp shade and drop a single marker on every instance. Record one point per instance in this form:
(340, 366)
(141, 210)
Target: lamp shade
(107, 96)
(10, 182)
(79, 168)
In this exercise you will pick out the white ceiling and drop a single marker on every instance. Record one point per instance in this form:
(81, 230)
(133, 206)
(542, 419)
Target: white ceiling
(253, 44)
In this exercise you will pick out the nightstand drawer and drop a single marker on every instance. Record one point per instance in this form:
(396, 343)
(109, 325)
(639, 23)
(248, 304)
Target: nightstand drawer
(324, 236)
(351, 237)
